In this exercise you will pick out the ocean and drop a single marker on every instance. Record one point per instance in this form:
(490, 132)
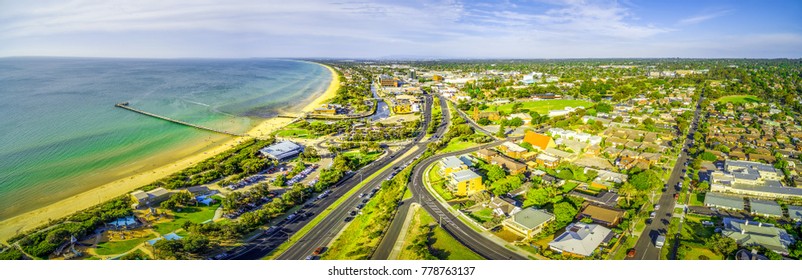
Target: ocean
(60, 133)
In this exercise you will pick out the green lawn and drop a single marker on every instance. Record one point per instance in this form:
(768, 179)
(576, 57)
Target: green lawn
(407, 194)
(624, 247)
(119, 247)
(540, 106)
(699, 253)
(697, 199)
(483, 215)
(456, 145)
(363, 158)
(739, 99)
(438, 183)
(193, 214)
(567, 187)
(294, 133)
(444, 247)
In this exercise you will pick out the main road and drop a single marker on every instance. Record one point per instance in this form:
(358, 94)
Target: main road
(645, 248)
(461, 231)
(324, 232)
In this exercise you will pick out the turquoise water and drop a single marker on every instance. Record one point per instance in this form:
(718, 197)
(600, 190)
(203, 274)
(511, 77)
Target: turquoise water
(60, 133)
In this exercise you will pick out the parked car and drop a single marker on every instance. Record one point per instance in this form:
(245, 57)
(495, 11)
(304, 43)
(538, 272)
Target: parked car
(319, 250)
(631, 253)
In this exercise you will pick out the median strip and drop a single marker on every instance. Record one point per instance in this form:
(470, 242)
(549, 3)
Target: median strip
(325, 213)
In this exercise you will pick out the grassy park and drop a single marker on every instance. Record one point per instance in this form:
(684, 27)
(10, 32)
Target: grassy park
(195, 214)
(539, 106)
(739, 99)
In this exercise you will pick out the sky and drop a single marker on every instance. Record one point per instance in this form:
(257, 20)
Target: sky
(402, 29)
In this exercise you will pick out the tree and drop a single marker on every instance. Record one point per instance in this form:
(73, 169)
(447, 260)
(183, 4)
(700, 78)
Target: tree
(722, 245)
(483, 121)
(708, 156)
(564, 213)
(645, 180)
(628, 191)
(501, 131)
(537, 197)
(565, 174)
(495, 173)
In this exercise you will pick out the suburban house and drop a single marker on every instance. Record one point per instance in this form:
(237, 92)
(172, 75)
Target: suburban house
(609, 217)
(747, 233)
(511, 165)
(547, 160)
(511, 149)
(282, 150)
(150, 198)
(539, 141)
(502, 207)
(766, 208)
(752, 178)
(610, 199)
(581, 239)
(451, 164)
(726, 202)
(795, 212)
(465, 183)
(528, 222)
(486, 154)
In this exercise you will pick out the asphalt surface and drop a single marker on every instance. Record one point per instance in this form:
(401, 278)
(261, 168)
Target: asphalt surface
(263, 243)
(645, 248)
(325, 231)
(462, 232)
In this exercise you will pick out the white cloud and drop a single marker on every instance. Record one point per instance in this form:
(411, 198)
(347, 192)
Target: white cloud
(703, 17)
(244, 28)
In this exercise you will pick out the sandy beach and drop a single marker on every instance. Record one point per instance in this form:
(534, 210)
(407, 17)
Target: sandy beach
(65, 207)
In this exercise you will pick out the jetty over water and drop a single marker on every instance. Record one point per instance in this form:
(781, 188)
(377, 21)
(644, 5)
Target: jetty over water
(124, 105)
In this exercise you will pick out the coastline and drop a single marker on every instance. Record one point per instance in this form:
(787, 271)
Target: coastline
(65, 207)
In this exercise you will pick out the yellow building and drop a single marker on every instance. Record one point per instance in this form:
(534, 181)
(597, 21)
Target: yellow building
(450, 165)
(465, 183)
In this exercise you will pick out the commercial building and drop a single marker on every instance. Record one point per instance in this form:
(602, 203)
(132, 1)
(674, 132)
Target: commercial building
(150, 198)
(752, 178)
(282, 150)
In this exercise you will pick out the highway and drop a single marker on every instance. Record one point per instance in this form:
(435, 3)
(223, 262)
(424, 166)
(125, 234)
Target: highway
(262, 244)
(324, 232)
(462, 232)
(645, 247)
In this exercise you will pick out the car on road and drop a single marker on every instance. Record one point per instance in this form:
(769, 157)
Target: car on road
(652, 215)
(310, 257)
(319, 250)
(353, 213)
(631, 253)
(656, 207)
(360, 206)
(660, 241)
(676, 196)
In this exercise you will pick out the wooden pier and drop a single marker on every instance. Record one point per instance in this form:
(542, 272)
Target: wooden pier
(124, 105)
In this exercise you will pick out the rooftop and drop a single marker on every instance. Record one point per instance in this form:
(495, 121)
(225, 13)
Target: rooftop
(765, 207)
(464, 175)
(581, 239)
(531, 218)
(755, 233)
(726, 201)
(451, 162)
(795, 212)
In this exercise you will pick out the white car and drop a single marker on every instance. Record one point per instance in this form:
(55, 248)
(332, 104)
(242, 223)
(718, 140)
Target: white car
(656, 207)
(652, 215)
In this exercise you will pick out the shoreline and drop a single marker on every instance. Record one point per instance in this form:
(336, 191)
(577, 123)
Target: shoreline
(104, 192)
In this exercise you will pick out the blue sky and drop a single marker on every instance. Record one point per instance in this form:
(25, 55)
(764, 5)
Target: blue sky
(386, 29)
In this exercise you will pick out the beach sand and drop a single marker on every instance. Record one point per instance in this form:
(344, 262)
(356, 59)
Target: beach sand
(105, 192)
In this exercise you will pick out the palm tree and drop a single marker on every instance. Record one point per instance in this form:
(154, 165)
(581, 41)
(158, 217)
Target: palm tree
(628, 191)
